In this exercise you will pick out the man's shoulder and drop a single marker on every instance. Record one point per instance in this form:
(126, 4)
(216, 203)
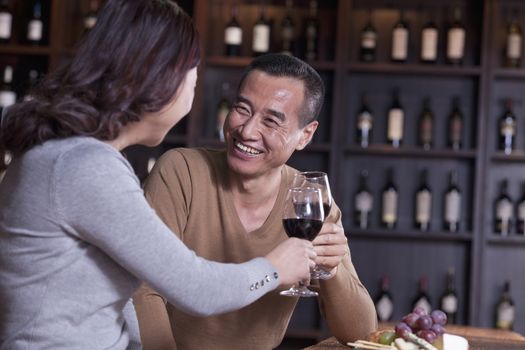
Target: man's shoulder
(194, 161)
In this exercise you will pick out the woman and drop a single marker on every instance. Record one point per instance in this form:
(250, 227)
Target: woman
(76, 234)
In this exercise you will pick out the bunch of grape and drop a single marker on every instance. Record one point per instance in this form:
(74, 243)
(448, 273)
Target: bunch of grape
(425, 326)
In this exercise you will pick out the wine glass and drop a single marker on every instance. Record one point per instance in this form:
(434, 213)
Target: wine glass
(316, 179)
(302, 218)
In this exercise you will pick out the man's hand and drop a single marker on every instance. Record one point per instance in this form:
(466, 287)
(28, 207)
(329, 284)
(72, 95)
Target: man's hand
(331, 246)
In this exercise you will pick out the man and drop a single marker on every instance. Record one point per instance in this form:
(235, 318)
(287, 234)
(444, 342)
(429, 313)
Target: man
(227, 206)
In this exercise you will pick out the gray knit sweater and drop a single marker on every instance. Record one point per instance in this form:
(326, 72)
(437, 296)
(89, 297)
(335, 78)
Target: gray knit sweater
(76, 239)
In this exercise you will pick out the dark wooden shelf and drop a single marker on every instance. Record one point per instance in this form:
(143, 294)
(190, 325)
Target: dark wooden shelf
(515, 157)
(241, 62)
(24, 50)
(509, 73)
(431, 236)
(512, 239)
(410, 151)
(415, 69)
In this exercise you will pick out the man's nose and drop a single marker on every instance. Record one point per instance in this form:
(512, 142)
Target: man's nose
(250, 127)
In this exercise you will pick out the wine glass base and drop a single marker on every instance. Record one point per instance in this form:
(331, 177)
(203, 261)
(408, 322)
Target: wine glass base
(294, 292)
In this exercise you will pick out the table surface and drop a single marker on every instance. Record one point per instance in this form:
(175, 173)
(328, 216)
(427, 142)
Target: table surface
(478, 338)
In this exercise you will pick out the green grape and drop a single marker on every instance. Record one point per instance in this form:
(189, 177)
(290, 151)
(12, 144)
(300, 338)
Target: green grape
(386, 338)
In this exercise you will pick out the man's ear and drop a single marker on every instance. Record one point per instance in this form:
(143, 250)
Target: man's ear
(307, 134)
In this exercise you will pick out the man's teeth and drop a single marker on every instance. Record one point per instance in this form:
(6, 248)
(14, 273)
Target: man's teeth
(246, 148)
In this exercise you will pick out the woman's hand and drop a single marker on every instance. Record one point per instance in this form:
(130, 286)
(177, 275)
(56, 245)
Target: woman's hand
(293, 259)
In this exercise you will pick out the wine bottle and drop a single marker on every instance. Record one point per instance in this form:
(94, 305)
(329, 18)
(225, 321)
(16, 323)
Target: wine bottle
(233, 35)
(312, 33)
(261, 35)
(426, 125)
(449, 299)
(429, 42)
(422, 299)
(456, 39)
(455, 126)
(452, 204)
(6, 21)
(365, 123)
(423, 203)
(390, 202)
(367, 50)
(384, 303)
(288, 31)
(507, 129)
(400, 40)
(363, 203)
(520, 213)
(35, 27)
(7, 94)
(514, 45)
(32, 81)
(503, 211)
(505, 309)
(90, 19)
(223, 108)
(396, 116)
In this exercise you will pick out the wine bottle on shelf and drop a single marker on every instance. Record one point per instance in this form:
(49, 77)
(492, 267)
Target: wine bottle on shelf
(456, 39)
(390, 202)
(452, 203)
(288, 31)
(7, 94)
(6, 21)
(261, 34)
(422, 299)
(426, 125)
(396, 116)
(384, 303)
(455, 125)
(429, 42)
(514, 44)
(223, 108)
(312, 33)
(507, 129)
(35, 26)
(423, 203)
(367, 50)
(503, 211)
(520, 212)
(400, 38)
(90, 19)
(363, 203)
(505, 309)
(449, 299)
(365, 123)
(233, 35)
(32, 81)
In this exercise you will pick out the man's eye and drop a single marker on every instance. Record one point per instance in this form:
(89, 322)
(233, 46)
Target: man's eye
(241, 109)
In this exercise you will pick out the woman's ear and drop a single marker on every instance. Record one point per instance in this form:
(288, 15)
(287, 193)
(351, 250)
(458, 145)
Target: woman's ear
(307, 134)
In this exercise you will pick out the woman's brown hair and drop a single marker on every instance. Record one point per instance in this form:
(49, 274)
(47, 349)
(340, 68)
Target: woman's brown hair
(131, 62)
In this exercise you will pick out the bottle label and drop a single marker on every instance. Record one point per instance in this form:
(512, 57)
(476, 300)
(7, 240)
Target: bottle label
(508, 127)
(364, 201)
(455, 130)
(384, 308)
(6, 21)
(424, 206)
(424, 304)
(399, 44)
(369, 40)
(287, 33)
(452, 206)
(521, 211)
(504, 212)
(34, 30)
(89, 22)
(505, 316)
(429, 44)
(233, 36)
(456, 43)
(261, 38)
(449, 304)
(395, 124)
(514, 46)
(7, 98)
(364, 122)
(390, 206)
(426, 131)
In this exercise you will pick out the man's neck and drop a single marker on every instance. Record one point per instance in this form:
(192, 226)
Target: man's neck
(254, 198)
